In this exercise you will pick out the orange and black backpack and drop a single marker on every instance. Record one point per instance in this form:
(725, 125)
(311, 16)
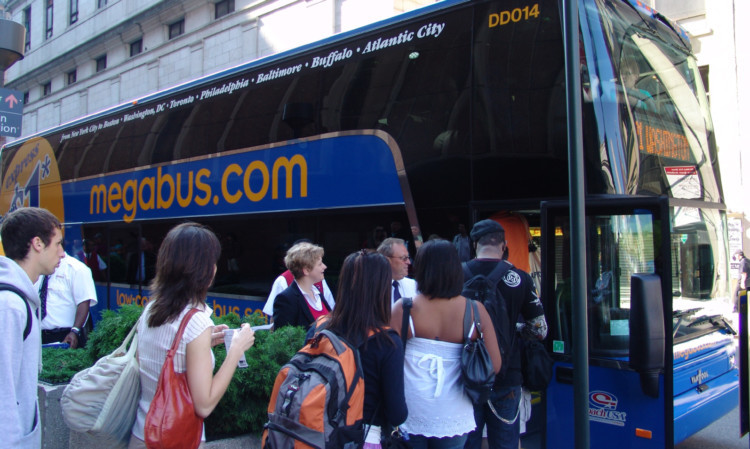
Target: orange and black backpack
(317, 398)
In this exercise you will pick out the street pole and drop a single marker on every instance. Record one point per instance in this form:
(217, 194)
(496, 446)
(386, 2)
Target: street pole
(577, 225)
(12, 41)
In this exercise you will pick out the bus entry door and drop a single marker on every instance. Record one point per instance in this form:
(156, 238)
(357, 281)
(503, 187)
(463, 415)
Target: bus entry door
(626, 341)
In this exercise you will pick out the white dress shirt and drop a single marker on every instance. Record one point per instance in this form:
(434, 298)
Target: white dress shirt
(407, 288)
(279, 285)
(68, 286)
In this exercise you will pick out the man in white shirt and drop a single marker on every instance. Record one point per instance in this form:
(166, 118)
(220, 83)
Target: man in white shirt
(66, 295)
(395, 250)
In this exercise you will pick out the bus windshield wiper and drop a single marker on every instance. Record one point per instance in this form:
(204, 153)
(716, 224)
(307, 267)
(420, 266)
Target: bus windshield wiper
(716, 320)
(680, 315)
(686, 312)
(663, 19)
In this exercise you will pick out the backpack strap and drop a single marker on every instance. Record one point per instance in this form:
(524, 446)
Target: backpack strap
(498, 272)
(495, 275)
(338, 414)
(14, 289)
(317, 326)
(406, 304)
(467, 272)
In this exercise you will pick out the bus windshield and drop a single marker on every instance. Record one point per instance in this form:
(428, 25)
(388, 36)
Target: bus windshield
(648, 78)
(645, 88)
(700, 277)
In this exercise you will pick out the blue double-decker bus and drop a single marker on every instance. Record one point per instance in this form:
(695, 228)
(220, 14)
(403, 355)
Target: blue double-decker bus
(413, 127)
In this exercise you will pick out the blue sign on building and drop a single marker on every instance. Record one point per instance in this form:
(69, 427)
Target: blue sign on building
(11, 112)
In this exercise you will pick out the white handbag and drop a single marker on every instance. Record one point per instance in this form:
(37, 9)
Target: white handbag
(102, 400)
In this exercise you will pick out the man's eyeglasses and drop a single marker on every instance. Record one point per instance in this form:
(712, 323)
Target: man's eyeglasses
(403, 258)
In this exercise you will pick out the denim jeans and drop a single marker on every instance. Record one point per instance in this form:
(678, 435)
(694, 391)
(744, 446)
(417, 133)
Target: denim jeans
(500, 435)
(422, 442)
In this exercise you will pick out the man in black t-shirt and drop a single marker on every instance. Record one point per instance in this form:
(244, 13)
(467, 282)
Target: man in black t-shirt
(522, 302)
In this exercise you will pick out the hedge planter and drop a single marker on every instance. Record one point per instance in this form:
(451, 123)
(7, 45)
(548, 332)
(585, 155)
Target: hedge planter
(55, 432)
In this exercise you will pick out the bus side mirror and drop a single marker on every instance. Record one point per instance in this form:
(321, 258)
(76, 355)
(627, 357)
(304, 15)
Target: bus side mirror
(647, 330)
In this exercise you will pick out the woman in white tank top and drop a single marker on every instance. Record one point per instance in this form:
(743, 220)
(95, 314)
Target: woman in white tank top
(440, 413)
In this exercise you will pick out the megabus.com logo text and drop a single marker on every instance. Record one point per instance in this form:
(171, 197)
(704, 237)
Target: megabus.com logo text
(195, 187)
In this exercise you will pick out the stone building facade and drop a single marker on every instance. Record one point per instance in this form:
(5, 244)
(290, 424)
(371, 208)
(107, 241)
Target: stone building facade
(83, 56)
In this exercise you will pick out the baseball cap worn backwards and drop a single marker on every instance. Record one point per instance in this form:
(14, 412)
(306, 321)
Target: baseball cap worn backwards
(484, 227)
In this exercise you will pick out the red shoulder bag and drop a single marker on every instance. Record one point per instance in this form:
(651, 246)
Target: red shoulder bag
(171, 421)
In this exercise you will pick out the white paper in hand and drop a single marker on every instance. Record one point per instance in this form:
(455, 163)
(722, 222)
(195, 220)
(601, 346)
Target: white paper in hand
(228, 335)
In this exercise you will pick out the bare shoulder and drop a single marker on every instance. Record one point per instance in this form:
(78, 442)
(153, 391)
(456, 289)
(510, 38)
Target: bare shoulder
(397, 313)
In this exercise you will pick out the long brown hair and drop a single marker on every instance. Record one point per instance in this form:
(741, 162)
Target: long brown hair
(363, 299)
(185, 268)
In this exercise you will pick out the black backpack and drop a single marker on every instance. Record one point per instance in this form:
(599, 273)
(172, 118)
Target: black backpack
(484, 289)
(18, 292)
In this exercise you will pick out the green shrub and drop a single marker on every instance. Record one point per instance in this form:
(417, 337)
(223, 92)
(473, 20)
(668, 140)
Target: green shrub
(111, 330)
(60, 365)
(242, 410)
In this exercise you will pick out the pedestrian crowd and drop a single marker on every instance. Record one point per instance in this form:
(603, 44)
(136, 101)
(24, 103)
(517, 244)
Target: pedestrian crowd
(408, 332)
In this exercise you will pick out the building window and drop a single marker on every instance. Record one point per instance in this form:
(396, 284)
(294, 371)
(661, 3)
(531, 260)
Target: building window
(177, 28)
(48, 19)
(680, 9)
(72, 76)
(223, 7)
(101, 63)
(46, 88)
(73, 11)
(136, 47)
(27, 24)
(26, 97)
(101, 3)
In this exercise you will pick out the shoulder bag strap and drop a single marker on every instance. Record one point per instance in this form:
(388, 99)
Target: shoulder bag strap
(180, 331)
(475, 314)
(406, 304)
(124, 346)
(471, 316)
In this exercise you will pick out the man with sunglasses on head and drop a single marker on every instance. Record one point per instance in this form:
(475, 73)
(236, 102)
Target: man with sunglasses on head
(401, 286)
